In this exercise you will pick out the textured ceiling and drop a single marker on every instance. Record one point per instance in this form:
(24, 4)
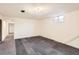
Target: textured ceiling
(38, 10)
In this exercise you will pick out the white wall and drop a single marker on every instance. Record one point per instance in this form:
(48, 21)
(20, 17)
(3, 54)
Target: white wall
(26, 28)
(5, 22)
(3, 27)
(22, 27)
(4, 30)
(64, 32)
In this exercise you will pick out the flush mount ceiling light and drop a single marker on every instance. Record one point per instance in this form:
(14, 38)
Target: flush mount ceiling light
(22, 11)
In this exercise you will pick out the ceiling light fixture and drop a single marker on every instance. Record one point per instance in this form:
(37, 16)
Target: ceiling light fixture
(22, 11)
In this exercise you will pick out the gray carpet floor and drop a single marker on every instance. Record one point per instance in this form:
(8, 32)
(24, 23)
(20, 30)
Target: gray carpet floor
(43, 46)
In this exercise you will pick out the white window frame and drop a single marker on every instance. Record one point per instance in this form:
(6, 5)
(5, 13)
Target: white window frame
(59, 19)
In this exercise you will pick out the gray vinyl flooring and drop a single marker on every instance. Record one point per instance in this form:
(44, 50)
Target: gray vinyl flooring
(7, 47)
(43, 46)
(35, 46)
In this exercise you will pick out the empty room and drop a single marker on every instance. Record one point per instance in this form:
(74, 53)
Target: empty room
(39, 28)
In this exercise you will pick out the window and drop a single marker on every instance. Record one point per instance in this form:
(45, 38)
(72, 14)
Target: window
(59, 19)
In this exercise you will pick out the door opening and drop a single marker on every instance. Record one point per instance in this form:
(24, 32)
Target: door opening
(0, 30)
(11, 28)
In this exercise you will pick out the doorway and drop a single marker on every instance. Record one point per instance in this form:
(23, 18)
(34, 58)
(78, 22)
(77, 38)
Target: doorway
(11, 28)
(0, 30)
